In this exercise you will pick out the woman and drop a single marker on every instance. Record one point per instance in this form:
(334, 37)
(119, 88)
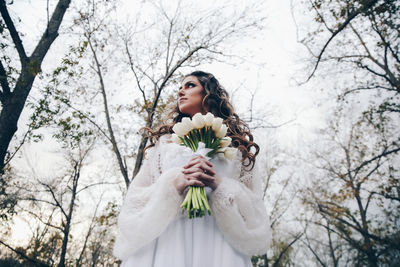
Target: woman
(154, 230)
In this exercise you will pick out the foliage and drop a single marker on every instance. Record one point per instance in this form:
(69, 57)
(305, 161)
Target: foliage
(8, 198)
(115, 77)
(353, 196)
(13, 96)
(10, 262)
(361, 38)
(54, 109)
(348, 195)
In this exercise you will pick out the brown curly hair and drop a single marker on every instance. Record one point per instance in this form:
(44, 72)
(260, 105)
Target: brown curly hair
(216, 101)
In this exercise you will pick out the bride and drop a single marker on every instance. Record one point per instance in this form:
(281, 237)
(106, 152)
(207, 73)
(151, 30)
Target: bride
(153, 229)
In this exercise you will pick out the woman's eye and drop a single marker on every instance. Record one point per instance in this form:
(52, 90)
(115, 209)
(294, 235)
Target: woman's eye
(190, 85)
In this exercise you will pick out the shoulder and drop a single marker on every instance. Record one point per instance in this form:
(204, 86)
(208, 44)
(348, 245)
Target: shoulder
(165, 139)
(159, 145)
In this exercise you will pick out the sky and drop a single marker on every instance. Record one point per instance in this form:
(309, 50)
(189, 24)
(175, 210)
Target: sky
(277, 49)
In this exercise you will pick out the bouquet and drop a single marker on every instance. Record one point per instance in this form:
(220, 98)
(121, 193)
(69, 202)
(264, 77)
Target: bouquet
(206, 135)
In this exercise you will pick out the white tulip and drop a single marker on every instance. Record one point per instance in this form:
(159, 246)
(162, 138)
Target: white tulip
(175, 139)
(216, 124)
(220, 152)
(187, 124)
(222, 131)
(208, 119)
(179, 129)
(225, 142)
(230, 153)
(198, 121)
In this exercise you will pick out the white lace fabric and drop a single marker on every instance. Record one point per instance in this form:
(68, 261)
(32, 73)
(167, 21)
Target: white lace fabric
(152, 203)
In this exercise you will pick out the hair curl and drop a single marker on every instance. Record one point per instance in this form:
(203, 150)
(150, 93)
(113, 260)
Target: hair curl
(216, 101)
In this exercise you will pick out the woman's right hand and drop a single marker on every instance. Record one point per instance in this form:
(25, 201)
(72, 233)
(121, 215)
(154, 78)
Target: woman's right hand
(198, 172)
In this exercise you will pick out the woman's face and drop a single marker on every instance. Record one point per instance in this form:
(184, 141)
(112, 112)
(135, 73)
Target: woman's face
(190, 95)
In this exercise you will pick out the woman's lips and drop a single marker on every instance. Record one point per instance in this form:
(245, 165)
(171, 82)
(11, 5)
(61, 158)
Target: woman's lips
(182, 99)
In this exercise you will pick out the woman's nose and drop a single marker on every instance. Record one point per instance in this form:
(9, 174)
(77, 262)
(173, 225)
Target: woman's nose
(180, 92)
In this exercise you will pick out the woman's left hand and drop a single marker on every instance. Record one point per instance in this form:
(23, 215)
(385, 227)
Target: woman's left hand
(201, 169)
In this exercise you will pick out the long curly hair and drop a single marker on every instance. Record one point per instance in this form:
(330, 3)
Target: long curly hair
(216, 101)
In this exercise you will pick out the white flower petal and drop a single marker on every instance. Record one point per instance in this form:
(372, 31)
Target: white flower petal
(216, 124)
(179, 130)
(222, 131)
(198, 121)
(187, 124)
(208, 119)
(225, 141)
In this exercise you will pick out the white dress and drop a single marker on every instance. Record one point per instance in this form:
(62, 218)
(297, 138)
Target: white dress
(155, 232)
(189, 243)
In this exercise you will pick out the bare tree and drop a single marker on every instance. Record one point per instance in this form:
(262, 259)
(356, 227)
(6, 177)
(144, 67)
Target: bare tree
(13, 99)
(327, 252)
(52, 205)
(343, 194)
(343, 13)
(155, 52)
(360, 39)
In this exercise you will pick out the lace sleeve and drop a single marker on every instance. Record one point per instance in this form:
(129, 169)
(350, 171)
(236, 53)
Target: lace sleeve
(151, 204)
(240, 213)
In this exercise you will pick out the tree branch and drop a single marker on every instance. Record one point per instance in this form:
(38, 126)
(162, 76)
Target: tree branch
(23, 255)
(14, 33)
(321, 17)
(389, 76)
(308, 244)
(4, 83)
(51, 31)
(379, 32)
(276, 263)
(19, 146)
(134, 72)
(372, 87)
(149, 122)
(39, 200)
(168, 76)
(383, 154)
(107, 113)
(89, 119)
(42, 221)
(350, 17)
(30, 67)
(58, 204)
(90, 185)
(89, 232)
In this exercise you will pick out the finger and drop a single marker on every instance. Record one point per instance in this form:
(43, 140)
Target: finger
(192, 176)
(192, 162)
(192, 170)
(203, 177)
(198, 160)
(208, 163)
(207, 169)
(195, 183)
(203, 169)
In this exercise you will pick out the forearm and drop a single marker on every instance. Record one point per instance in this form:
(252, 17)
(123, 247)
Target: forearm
(147, 212)
(241, 216)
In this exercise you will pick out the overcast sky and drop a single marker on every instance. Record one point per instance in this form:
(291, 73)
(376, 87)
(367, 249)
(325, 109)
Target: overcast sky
(277, 50)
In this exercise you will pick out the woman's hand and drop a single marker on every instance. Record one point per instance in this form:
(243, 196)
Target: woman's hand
(198, 172)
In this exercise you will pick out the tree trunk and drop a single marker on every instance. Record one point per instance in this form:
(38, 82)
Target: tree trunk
(14, 102)
(69, 217)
